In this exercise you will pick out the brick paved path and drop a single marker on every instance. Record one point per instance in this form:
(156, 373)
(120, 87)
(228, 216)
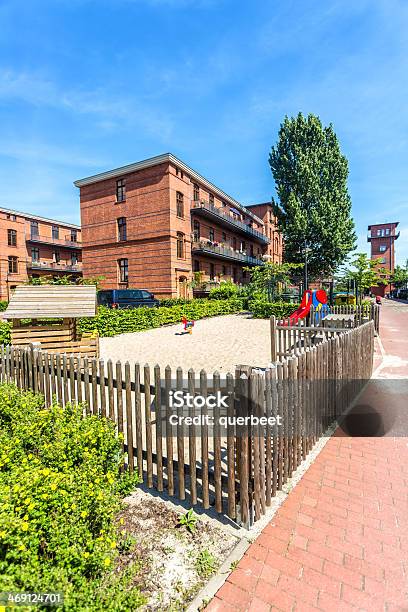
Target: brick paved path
(340, 540)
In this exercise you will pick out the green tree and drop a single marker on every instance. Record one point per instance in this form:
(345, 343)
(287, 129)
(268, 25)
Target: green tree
(400, 276)
(267, 279)
(314, 205)
(367, 273)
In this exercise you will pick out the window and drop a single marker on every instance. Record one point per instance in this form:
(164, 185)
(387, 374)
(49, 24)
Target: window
(234, 243)
(13, 264)
(251, 250)
(55, 232)
(224, 237)
(120, 190)
(196, 265)
(11, 237)
(74, 258)
(56, 256)
(234, 275)
(179, 173)
(243, 246)
(180, 204)
(383, 248)
(211, 198)
(196, 196)
(387, 231)
(224, 270)
(180, 245)
(34, 229)
(211, 234)
(12, 217)
(382, 260)
(122, 229)
(212, 271)
(196, 231)
(123, 265)
(35, 254)
(74, 235)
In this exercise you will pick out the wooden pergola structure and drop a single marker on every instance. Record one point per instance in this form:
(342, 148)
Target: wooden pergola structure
(46, 315)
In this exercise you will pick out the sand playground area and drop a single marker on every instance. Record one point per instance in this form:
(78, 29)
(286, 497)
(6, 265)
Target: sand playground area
(217, 343)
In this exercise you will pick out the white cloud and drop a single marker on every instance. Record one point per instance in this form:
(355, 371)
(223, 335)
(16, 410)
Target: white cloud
(38, 91)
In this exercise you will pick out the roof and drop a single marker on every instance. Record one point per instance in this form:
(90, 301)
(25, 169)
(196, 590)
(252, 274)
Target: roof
(161, 159)
(382, 224)
(49, 301)
(37, 218)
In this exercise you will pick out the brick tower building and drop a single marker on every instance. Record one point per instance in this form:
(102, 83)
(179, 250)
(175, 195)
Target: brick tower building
(382, 237)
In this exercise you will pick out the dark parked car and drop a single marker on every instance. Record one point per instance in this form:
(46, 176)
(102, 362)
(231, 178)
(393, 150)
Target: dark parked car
(126, 298)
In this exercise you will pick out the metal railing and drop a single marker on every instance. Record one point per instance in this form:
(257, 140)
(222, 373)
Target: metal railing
(225, 252)
(54, 266)
(223, 216)
(65, 241)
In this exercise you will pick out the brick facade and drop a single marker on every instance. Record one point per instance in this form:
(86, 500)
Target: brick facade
(382, 237)
(176, 224)
(30, 247)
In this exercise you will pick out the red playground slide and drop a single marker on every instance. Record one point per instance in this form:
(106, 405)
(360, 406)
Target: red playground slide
(303, 309)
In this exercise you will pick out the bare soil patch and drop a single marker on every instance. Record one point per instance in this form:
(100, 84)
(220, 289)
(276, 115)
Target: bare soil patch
(175, 563)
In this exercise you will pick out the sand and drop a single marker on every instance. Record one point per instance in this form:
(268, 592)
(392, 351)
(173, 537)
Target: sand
(217, 343)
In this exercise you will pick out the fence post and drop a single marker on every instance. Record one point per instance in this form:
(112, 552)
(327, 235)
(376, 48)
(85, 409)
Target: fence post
(274, 356)
(242, 399)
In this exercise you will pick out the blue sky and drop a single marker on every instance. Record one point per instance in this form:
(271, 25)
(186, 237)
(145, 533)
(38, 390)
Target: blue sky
(87, 85)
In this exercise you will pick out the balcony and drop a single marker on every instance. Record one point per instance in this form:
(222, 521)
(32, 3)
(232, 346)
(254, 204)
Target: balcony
(62, 242)
(53, 266)
(217, 214)
(371, 236)
(226, 253)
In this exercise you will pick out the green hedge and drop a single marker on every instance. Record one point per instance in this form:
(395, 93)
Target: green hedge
(5, 333)
(110, 322)
(263, 310)
(60, 490)
(174, 301)
(3, 305)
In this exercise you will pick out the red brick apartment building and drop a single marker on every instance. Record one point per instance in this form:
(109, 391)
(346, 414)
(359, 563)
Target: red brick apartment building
(154, 223)
(32, 246)
(382, 237)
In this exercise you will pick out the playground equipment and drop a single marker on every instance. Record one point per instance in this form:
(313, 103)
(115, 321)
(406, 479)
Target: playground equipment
(316, 298)
(188, 325)
(46, 315)
(344, 298)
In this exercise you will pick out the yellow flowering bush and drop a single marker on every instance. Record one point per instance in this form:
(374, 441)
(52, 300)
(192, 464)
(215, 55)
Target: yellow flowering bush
(60, 487)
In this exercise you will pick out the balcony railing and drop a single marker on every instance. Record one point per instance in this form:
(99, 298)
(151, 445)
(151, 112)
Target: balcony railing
(224, 252)
(217, 213)
(373, 234)
(54, 266)
(66, 241)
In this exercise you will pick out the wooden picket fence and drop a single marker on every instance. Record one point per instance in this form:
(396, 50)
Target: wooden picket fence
(288, 336)
(237, 469)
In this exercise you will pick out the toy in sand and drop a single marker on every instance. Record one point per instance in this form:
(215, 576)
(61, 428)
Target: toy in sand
(188, 325)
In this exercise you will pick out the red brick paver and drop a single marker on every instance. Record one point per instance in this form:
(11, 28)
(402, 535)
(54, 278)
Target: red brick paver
(340, 539)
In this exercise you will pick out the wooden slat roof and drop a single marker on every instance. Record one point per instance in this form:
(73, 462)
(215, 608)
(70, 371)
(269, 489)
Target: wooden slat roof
(48, 301)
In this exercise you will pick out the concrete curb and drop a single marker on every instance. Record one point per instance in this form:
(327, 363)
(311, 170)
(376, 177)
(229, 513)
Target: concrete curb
(210, 589)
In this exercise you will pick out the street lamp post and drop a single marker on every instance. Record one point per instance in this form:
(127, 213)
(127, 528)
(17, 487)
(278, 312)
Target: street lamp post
(306, 280)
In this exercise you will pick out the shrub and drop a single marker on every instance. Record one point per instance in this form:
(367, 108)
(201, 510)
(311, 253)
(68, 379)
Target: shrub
(3, 305)
(263, 310)
(173, 301)
(110, 322)
(59, 486)
(226, 290)
(5, 333)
